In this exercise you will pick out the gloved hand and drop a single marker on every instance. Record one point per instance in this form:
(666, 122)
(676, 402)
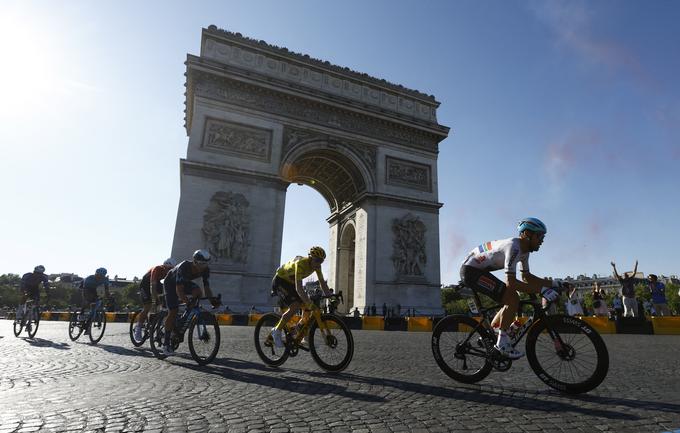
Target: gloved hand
(549, 293)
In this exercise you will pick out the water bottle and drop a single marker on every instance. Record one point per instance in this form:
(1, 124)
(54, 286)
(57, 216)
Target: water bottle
(514, 329)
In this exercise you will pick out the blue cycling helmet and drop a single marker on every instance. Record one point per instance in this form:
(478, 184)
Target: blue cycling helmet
(39, 269)
(532, 224)
(101, 271)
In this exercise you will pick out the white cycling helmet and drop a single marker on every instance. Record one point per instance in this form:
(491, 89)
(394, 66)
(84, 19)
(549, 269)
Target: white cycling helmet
(170, 262)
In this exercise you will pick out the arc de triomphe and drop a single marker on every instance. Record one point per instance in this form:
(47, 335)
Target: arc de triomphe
(259, 118)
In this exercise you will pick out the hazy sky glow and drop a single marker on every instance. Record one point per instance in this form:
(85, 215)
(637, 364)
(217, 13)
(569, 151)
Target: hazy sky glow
(564, 110)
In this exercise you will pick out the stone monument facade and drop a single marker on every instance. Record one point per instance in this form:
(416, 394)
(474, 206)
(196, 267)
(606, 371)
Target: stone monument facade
(260, 117)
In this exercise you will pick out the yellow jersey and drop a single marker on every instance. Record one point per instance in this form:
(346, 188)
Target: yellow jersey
(300, 267)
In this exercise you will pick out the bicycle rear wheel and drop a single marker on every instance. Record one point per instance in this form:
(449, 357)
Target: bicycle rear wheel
(97, 326)
(75, 327)
(333, 347)
(157, 336)
(567, 354)
(264, 343)
(204, 338)
(33, 322)
(460, 350)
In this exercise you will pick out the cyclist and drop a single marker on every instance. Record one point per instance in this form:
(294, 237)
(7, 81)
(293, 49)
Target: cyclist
(89, 286)
(506, 254)
(30, 287)
(178, 284)
(287, 283)
(149, 289)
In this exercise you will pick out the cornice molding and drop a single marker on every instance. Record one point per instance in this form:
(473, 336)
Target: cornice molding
(219, 34)
(231, 91)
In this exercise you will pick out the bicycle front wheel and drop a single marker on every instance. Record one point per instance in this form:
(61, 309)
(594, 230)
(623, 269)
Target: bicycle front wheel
(331, 344)
(145, 330)
(32, 323)
(567, 354)
(18, 326)
(97, 326)
(75, 327)
(264, 343)
(459, 347)
(204, 338)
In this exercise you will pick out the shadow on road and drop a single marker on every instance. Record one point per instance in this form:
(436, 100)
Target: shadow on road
(516, 398)
(41, 342)
(233, 369)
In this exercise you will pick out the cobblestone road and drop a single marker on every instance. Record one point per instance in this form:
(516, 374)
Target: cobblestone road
(392, 384)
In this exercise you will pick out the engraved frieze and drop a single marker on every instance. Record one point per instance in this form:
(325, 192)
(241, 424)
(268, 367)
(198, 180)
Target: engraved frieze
(252, 97)
(226, 226)
(236, 139)
(408, 174)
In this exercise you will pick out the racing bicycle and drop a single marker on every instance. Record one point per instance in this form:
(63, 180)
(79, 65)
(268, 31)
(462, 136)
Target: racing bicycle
(325, 336)
(564, 352)
(151, 319)
(30, 319)
(92, 322)
(204, 332)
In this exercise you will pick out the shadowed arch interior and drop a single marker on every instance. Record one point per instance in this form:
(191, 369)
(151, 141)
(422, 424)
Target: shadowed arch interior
(333, 175)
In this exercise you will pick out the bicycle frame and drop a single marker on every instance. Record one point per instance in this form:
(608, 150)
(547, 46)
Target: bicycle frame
(315, 313)
(538, 313)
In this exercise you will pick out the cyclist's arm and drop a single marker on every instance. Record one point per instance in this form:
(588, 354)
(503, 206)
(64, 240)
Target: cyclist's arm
(106, 288)
(535, 283)
(300, 289)
(323, 284)
(154, 285)
(514, 284)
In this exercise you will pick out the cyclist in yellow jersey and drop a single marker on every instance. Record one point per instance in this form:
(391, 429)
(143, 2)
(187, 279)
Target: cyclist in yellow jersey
(287, 283)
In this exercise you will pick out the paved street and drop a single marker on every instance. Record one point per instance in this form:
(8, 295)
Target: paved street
(392, 384)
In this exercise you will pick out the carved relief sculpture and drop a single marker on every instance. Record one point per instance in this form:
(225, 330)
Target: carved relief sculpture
(226, 226)
(235, 139)
(409, 174)
(409, 256)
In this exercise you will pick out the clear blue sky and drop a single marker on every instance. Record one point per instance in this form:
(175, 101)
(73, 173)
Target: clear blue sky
(564, 110)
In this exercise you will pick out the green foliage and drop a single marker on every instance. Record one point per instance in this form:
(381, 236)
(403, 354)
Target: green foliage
(673, 298)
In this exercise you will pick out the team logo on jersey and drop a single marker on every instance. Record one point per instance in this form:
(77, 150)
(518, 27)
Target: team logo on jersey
(486, 282)
(484, 247)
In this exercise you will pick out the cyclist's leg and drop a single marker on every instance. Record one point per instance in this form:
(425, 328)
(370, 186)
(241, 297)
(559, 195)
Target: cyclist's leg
(145, 294)
(172, 303)
(20, 307)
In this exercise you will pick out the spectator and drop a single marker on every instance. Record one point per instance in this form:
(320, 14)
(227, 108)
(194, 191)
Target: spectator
(574, 304)
(356, 312)
(599, 303)
(648, 308)
(658, 290)
(617, 304)
(630, 305)
(373, 310)
(398, 310)
(384, 310)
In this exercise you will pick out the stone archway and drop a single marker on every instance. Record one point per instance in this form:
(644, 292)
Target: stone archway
(345, 265)
(259, 118)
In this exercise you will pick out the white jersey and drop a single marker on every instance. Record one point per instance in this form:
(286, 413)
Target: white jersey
(492, 256)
